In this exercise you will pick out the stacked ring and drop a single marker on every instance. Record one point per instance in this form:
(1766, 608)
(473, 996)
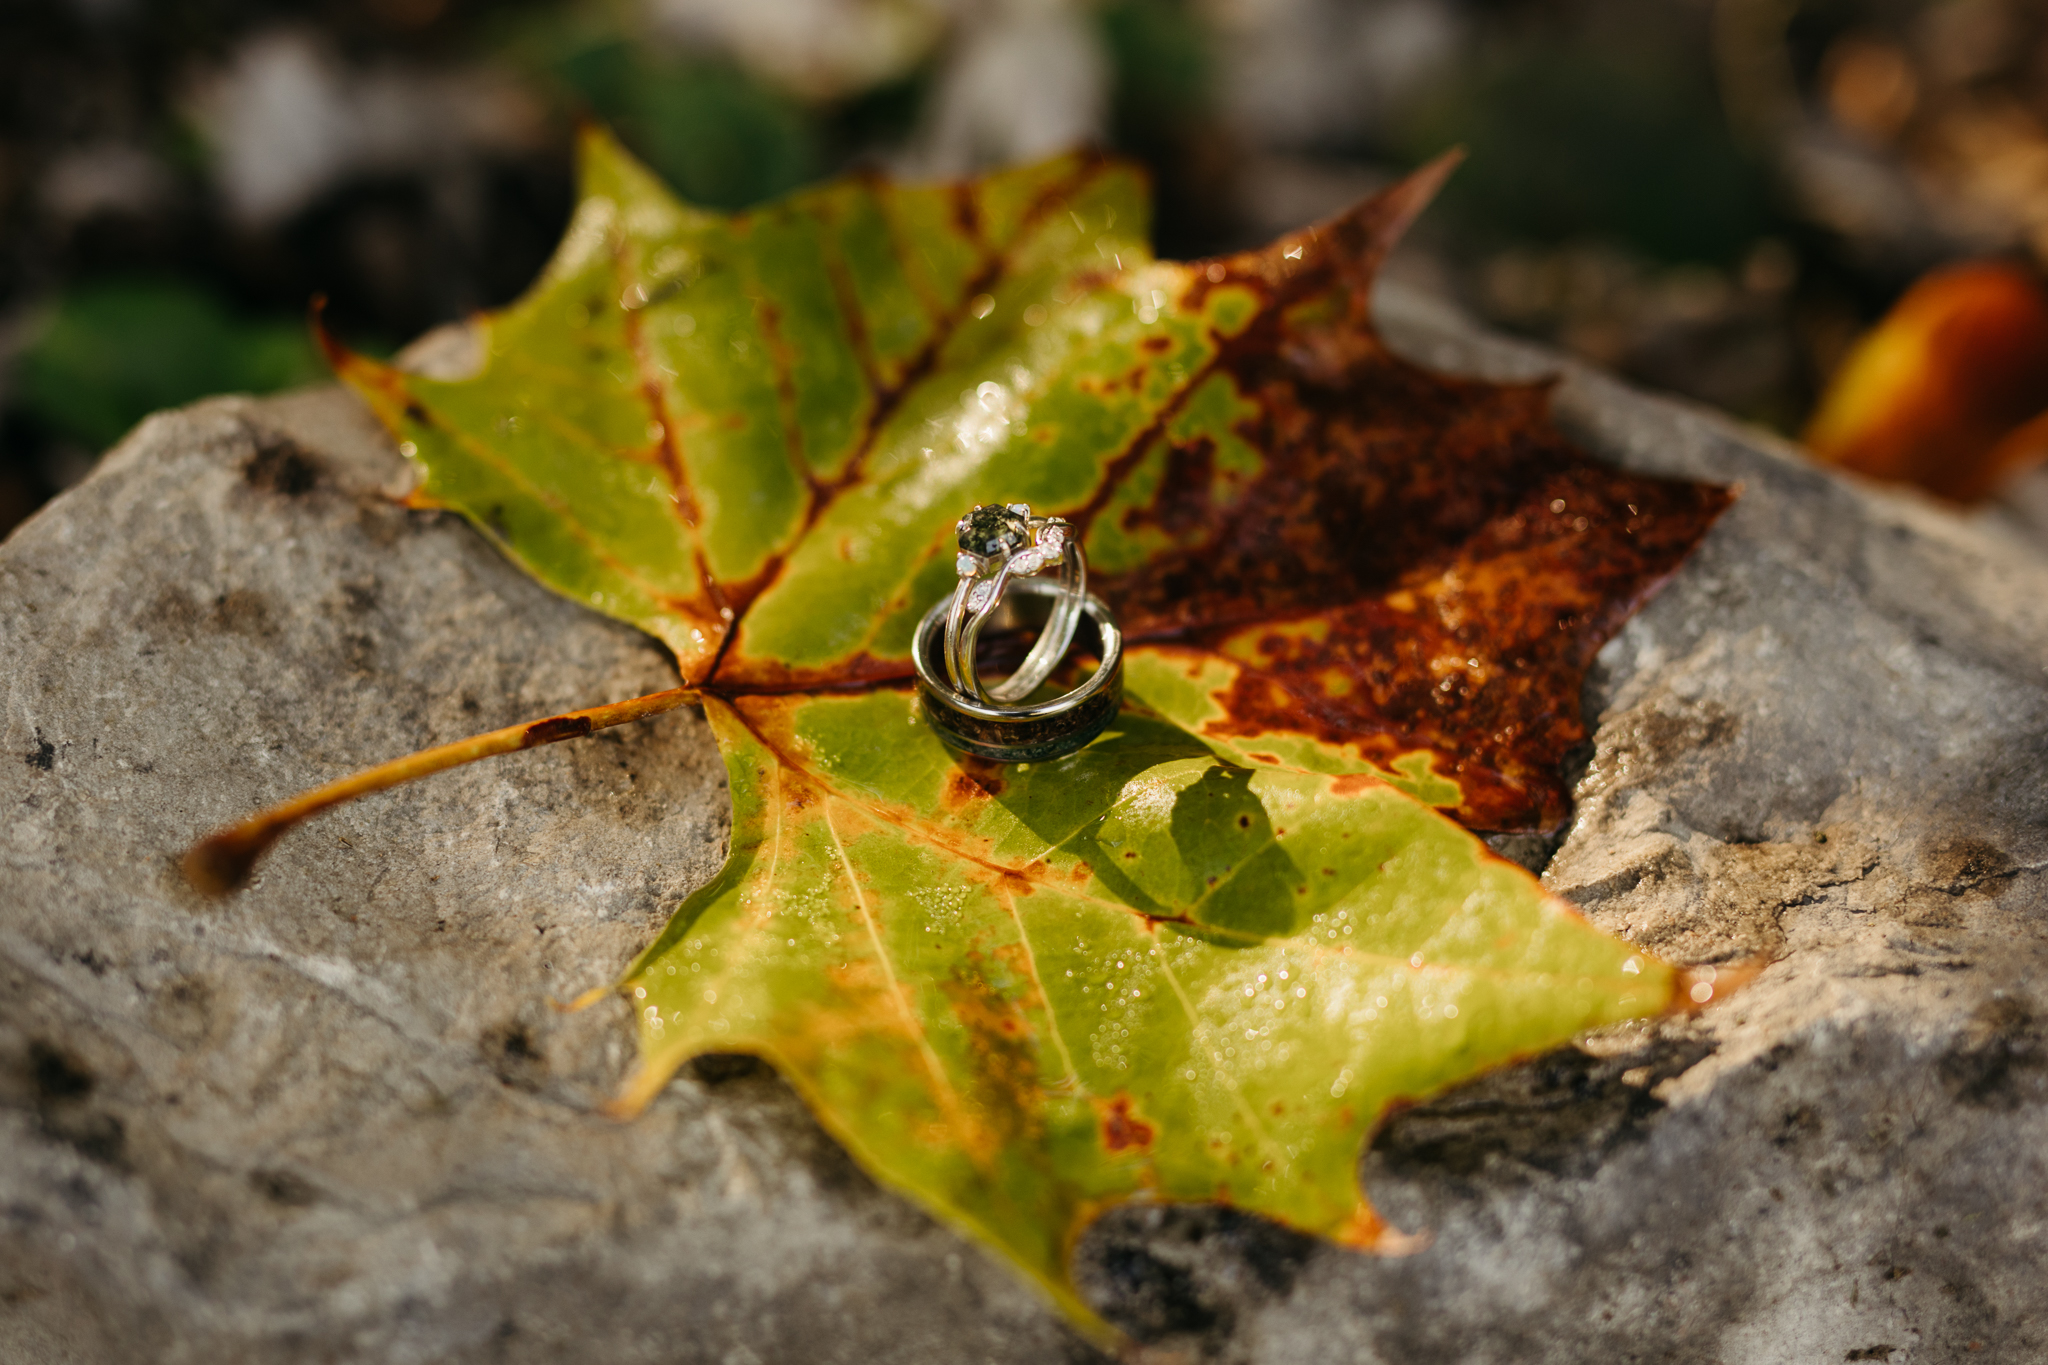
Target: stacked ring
(1003, 547)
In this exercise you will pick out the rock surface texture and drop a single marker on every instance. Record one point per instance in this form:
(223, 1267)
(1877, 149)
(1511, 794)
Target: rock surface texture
(335, 1118)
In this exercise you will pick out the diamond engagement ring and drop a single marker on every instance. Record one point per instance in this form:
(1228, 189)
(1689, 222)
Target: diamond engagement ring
(997, 544)
(1005, 556)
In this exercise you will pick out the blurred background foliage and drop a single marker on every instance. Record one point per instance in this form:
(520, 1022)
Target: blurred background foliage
(113, 350)
(760, 142)
(1712, 196)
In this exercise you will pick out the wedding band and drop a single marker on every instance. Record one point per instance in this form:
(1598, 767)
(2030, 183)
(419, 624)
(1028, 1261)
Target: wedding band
(1001, 544)
(1018, 733)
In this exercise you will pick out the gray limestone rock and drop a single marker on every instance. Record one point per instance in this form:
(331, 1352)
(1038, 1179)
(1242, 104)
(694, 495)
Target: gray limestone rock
(336, 1119)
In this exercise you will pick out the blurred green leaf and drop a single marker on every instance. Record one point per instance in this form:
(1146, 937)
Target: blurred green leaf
(1164, 66)
(1164, 112)
(1575, 140)
(722, 138)
(117, 350)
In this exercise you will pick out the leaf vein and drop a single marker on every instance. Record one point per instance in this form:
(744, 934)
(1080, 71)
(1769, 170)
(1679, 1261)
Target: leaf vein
(1199, 1028)
(949, 1099)
(574, 523)
(1059, 1040)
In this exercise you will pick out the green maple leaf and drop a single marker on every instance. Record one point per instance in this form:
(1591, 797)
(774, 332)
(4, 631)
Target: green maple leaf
(1198, 959)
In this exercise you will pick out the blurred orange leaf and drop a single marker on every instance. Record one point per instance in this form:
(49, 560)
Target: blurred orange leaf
(1943, 391)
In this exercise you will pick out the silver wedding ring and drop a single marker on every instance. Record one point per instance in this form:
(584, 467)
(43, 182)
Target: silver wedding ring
(1004, 551)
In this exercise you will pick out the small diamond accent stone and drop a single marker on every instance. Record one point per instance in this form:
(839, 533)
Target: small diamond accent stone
(1052, 539)
(967, 564)
(1030, 561)
(979, 594)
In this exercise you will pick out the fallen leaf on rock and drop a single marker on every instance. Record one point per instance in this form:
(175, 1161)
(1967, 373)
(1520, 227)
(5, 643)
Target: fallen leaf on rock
(1198, 959)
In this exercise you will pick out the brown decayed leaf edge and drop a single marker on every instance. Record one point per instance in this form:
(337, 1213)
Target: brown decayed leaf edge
(1467, 560)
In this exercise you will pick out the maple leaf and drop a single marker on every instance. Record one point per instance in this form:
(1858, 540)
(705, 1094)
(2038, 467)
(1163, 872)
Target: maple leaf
(1198, 959)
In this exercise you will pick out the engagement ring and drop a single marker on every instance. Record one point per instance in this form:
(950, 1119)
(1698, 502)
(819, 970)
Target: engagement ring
(999, 543)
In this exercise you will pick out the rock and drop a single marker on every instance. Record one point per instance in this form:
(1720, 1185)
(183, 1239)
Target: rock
(335, 1117)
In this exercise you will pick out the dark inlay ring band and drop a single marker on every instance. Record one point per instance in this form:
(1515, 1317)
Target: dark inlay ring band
(1021, 733)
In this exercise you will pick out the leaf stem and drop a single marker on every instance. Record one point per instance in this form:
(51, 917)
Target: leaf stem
(222, 862)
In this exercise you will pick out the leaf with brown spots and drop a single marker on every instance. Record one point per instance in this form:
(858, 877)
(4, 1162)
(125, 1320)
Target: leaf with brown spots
(1198, 959)
(1140, 972)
